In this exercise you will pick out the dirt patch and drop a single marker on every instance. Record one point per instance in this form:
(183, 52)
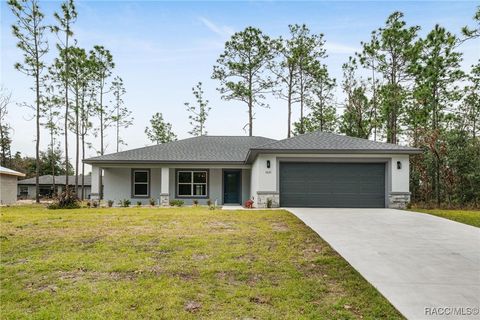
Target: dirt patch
(224, 226)
(253, 279)
(227, 277)
(47, 288)
(80, 275)
(260, 300)
(200, 257)
(88, 241)
(249, 257)
(185, 275)
(16, 262)
(156, 270)
(280, 227)
(192, 306)
(312, 252)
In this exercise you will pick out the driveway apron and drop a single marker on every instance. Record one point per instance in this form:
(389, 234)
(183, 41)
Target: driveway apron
(427, 267)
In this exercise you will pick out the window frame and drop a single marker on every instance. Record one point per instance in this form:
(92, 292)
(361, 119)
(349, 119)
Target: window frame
(23, 190)
(192, 196)
(133, 183)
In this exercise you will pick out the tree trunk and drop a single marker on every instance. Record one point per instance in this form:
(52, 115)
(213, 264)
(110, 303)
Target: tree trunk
(374, 88)
(250, 109)
(77, 142)
(101, 139)
(67, 186)
(37, 143)
(52, 161)
(118, 127)
(289, 117)
(4, 164)
(83, 166)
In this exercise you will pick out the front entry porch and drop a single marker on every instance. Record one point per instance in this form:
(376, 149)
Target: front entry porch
(190, 183)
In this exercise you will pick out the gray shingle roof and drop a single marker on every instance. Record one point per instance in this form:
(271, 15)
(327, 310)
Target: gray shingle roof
(327, 142)
(241, 149)
(60, 180)
(197, 149)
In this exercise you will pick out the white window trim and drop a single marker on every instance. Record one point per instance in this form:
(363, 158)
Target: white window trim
(146, 183)
(191, 195)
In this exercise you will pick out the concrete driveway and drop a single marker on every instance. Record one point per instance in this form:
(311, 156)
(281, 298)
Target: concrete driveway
(427, 267)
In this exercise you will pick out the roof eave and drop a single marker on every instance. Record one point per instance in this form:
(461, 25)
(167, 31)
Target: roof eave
(252, 153)
(90, 161)
(13, 174)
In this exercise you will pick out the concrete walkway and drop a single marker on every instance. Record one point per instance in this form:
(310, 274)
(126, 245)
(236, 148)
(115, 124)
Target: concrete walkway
(419, 262)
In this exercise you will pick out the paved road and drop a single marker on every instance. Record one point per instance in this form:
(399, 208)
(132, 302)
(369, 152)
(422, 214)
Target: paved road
(419, 262)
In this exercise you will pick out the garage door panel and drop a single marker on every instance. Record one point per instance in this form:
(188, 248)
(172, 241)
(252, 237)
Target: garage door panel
(332, 184)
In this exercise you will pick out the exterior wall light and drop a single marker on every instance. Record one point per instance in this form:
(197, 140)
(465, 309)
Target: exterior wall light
(399, 165)
(268, 164)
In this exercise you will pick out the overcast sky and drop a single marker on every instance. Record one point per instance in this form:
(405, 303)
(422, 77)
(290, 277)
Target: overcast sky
(161, 49)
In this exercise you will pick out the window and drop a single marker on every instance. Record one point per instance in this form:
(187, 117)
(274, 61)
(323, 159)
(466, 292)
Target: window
(45, 191)
(141, 183)
(23, 190)
(192, 183)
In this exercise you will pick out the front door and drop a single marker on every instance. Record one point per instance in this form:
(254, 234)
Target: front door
(231, 186)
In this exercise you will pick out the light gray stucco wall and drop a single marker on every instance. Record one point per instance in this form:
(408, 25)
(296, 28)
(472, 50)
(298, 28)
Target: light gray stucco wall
(8, 189)
(118, 185)
(246, 177)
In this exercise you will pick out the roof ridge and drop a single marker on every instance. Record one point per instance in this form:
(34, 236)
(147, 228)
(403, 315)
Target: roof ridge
(140, 148)
(181, 140)
(281, 140)
(333, 134)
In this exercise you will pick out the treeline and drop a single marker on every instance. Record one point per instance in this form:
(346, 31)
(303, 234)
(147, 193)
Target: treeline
(76, 92)
(400, 87)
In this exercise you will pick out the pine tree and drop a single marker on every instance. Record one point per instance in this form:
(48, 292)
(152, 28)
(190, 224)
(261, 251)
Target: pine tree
(30, 29)
(241, 70)
(160, 131)
(198, 111)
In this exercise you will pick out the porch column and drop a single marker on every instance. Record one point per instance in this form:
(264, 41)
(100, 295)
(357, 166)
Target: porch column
(95, 192)
(165, 187)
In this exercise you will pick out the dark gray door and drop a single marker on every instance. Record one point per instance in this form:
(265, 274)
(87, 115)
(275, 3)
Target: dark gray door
(231, 186)
(332, 185)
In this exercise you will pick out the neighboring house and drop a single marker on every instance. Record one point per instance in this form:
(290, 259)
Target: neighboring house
(8, 185)
(27, 187)
(312, 170)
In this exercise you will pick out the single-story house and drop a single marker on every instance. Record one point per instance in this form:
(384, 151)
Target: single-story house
(8, 185)
(27, 187)
(312, 170)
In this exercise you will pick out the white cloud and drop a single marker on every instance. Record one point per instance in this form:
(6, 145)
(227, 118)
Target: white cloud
(333, 47)
(223, 31)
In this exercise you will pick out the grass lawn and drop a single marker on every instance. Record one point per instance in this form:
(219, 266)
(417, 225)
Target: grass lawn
(182, 263)
(471, 217)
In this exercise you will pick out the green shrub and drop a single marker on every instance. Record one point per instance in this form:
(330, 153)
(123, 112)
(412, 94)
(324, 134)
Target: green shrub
(209, 202)
(124, 203)
(152, 202)
(65, 200)
(177, 203)
(95, 204)
(110, 203)
(195, 202)
(139, 203)
(269, 202)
